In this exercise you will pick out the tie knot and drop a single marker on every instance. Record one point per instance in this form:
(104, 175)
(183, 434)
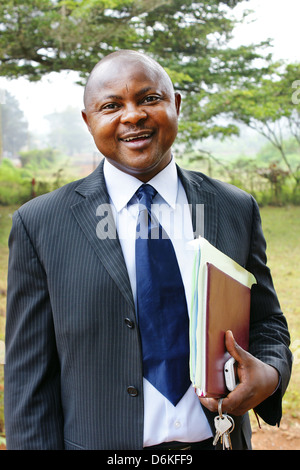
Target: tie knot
(146, 193)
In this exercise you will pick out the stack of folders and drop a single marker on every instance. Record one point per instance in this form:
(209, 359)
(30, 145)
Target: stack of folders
(221, 297)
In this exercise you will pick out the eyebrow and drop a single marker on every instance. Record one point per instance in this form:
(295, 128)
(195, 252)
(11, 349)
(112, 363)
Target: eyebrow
(143, 91)
(118, 97)
(112, 97)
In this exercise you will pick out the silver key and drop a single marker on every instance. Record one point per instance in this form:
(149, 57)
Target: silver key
(223, 424)
(226, 437)
(226, 440)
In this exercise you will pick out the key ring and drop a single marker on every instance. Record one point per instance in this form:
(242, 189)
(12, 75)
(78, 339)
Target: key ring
(220, 407)
(220, 402)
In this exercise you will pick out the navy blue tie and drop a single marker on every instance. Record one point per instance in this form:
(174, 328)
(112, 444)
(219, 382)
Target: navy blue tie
(161, 305)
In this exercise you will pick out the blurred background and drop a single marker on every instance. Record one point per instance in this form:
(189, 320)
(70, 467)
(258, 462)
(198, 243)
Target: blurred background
(236, 64)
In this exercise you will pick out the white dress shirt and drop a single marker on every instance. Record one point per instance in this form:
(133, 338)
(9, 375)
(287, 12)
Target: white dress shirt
(163, 422)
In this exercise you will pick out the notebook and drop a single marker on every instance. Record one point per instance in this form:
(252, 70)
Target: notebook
(221, 298)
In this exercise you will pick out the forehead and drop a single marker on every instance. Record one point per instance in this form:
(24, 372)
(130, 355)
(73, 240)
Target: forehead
(130, 76)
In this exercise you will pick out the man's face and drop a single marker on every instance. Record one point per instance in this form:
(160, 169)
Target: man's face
(132, 114)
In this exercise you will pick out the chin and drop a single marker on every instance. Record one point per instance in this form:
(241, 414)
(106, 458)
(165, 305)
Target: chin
(141, 166)
(144, 172)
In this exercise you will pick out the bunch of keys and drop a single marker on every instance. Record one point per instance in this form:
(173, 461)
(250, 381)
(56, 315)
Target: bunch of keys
(224, 425)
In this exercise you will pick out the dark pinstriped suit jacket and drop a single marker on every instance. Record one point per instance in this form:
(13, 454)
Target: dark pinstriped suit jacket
(70, 354)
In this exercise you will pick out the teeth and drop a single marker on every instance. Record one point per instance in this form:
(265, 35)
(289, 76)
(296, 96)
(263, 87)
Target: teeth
(138, 137)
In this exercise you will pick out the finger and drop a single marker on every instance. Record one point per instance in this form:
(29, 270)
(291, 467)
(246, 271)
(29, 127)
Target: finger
(234, 403)
(210, 403)
(235, 400)
(234, 349)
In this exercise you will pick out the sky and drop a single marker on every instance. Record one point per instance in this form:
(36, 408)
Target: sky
(275, 19)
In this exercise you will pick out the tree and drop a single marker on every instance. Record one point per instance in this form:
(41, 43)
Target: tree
(53, 35)
(271, 107)
(68, 132)
(14, 126)
(190, 39)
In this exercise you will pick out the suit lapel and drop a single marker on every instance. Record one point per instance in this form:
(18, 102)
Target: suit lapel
(203, 205)
(95, 217)
(94, 212)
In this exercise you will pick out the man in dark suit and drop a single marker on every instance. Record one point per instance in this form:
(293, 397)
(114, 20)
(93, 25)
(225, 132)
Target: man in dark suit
(74, 370)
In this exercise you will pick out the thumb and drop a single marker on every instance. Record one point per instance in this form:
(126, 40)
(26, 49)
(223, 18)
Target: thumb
(236, 351)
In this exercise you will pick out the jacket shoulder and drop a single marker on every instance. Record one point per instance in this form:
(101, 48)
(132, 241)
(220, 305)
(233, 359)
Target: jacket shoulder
(218, 187)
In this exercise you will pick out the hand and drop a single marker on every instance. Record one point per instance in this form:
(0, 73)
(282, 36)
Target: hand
(257, 382)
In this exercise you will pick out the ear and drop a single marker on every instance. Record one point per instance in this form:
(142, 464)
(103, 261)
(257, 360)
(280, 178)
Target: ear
(85, 118)
(177, 102)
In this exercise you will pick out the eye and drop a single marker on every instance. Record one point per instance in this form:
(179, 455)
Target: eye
(151, 99)
(110, 106)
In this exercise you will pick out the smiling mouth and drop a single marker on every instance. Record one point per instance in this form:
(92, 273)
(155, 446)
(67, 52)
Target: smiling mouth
(137, 137)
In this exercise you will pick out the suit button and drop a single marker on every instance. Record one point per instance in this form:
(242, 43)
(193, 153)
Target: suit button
(129, 323)
(132, 391)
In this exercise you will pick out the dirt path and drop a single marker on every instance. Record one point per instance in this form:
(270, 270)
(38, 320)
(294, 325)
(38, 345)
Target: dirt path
(286, 437)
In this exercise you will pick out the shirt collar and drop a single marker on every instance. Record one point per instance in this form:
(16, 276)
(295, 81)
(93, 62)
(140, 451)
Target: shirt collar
(120, 186)
(165, 183)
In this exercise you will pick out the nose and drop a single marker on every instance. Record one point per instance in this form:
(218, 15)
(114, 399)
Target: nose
(133, 113)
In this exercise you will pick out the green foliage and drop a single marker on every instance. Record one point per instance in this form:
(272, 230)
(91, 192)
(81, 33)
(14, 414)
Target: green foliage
(14, 126)
(190, 39)
(38, 158)
(68, 133)
(270, 184)
(15, 184)
(19, 185)
(282, 229)
(272, 108)
(264, 174)
(52, 35)
(268, 153)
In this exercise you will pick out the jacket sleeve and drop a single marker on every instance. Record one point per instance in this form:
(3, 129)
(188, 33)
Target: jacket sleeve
(269, 336)
(33, 415)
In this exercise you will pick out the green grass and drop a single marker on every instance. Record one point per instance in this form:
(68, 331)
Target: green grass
(282, 231)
